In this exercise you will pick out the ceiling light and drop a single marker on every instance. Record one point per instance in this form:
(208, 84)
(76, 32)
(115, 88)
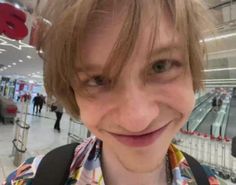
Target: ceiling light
(37, 76)
(220, 82)
(232, 23)
(9, 66)
(219, 37)
(31, 81)
(29, 57)
(5, 68)
(13, 63)
(4, 41)
(40, 51)
(17, 6)
(220, 69)
(2, 50)
(219, 79)
(21, 60)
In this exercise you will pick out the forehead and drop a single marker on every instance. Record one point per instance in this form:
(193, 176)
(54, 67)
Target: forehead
(103, 35)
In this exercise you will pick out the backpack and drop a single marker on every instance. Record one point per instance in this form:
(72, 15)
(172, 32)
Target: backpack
(54, 169)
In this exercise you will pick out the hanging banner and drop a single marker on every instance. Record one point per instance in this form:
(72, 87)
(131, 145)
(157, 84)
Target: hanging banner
(12, 22)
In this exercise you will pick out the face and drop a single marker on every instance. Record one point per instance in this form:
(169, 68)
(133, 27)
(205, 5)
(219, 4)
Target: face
(137, 119)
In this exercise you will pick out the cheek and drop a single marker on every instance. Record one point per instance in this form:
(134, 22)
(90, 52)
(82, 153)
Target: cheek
(90, 112)
(185, 103)
(180, 97)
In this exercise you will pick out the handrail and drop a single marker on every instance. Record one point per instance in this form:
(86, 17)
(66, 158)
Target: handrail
(196, 119)
(75, 121)
(216, 126)
(225, 121)
(222, 4)
(19, 150)
(205, 98)
(203, 109)
(25, 126)
(77, 131)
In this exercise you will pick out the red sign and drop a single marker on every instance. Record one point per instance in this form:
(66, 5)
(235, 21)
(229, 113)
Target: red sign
(12, 22)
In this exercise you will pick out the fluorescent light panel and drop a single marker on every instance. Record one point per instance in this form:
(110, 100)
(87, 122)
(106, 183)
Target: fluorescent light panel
(231, 79)
(220, 69)
(219, 37)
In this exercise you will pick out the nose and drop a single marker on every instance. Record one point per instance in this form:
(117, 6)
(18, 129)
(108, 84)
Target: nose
(137, 109)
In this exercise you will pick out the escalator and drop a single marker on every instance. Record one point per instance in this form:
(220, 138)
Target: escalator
(201, 102)
(231, 124)
(205, 126)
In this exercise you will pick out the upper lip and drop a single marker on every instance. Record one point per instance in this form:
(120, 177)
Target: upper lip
(140, 133)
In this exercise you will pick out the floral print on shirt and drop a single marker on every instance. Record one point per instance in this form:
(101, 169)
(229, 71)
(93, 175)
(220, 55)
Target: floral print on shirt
(86, 167)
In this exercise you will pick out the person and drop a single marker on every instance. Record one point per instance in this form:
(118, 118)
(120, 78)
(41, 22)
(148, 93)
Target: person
(18, 98)
(213, 103)
(41, 102)
(36, 102)
(59, 113)
(128, 70)
(220, 101)
(216, 103)
(24, 97)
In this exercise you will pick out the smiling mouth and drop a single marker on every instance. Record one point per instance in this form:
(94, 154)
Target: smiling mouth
(141, 140)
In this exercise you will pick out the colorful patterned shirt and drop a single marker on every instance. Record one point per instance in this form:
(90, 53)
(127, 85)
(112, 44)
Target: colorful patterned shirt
(86, 167)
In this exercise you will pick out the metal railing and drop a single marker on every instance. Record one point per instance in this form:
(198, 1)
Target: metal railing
(20, 135)
(208, 150)
(77, 131)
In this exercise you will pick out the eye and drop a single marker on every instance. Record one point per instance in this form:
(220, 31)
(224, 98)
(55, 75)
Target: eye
(162, 66)
(95, 81)
(164, 70)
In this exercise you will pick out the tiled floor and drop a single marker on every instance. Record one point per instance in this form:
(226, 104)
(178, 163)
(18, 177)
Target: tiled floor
(41, 138)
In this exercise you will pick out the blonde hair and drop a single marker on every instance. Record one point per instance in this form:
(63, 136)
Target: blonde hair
(61, 38)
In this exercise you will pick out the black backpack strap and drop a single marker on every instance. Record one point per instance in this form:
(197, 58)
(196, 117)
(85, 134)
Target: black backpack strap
(197, 170)
(54, 168)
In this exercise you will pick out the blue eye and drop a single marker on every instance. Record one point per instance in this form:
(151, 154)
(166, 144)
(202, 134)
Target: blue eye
(162, 66)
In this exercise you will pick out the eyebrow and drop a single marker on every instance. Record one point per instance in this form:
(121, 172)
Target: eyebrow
(89, 67)
(170, 47)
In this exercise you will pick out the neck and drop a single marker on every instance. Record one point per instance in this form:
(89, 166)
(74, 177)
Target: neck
(115, 173)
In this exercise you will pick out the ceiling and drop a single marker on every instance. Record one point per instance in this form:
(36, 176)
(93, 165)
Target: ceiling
(20, 60)
(221, 50)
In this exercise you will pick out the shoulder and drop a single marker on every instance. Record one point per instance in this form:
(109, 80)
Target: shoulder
(24, 173)
(184, 168)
